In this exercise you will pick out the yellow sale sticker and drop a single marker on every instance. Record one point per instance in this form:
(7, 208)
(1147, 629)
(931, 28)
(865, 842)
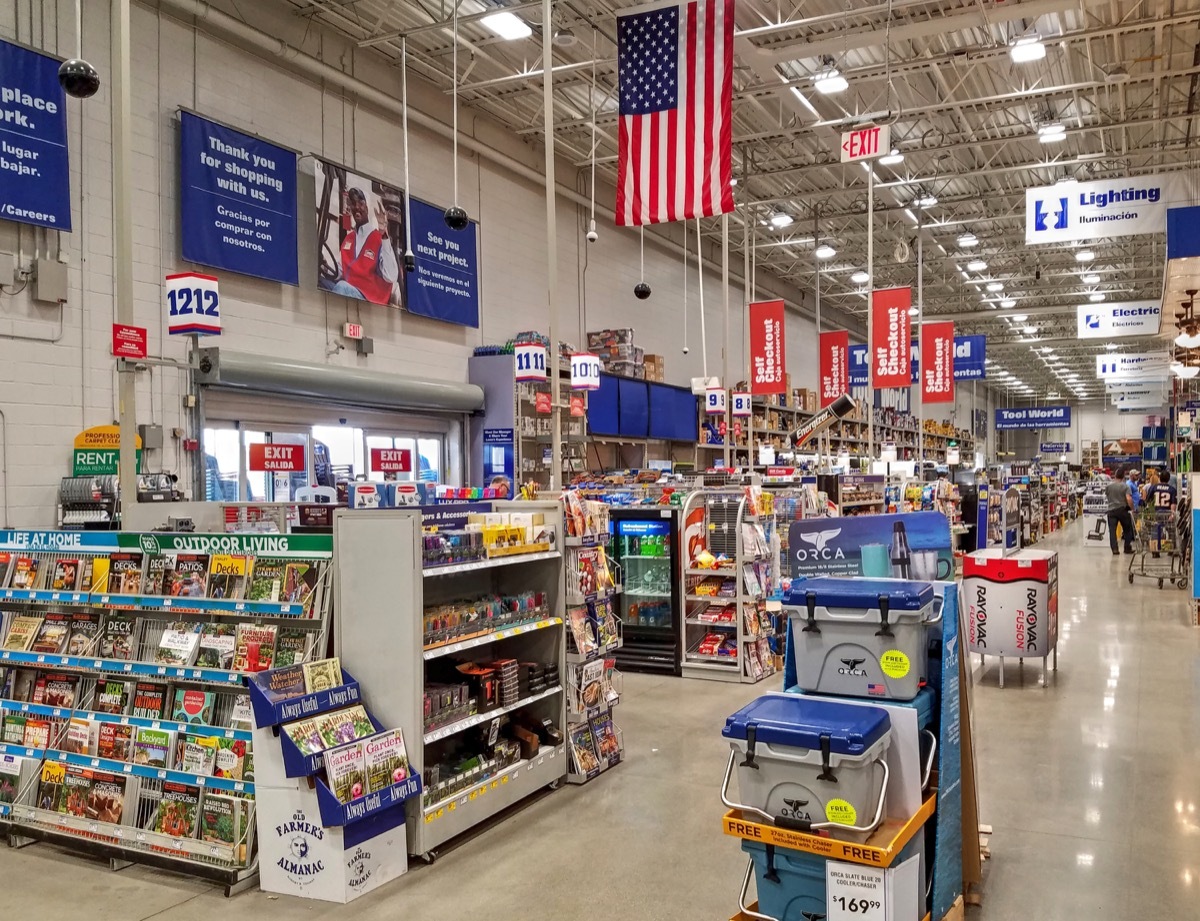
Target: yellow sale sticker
(841, 812)
(894, 663)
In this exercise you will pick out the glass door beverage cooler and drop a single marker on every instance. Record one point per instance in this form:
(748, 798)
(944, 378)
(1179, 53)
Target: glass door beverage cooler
(646, 548)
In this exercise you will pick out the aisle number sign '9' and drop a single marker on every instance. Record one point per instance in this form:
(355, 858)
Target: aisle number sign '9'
(193, 304)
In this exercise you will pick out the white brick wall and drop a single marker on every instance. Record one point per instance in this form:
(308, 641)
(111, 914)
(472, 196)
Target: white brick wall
(49, 390)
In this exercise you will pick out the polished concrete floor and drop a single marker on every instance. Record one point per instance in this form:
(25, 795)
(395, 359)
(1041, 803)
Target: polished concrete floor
(1092, 786)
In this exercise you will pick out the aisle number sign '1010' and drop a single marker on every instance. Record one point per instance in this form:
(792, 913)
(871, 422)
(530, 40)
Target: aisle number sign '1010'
(193, 304)
(585, 371)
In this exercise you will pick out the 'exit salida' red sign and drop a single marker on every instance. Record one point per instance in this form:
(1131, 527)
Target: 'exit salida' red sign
(277, 458)
(391, 460)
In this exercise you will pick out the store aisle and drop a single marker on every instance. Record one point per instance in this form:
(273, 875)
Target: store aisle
(1091, 786)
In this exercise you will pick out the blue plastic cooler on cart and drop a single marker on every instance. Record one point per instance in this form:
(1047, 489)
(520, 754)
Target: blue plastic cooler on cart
(810, 764)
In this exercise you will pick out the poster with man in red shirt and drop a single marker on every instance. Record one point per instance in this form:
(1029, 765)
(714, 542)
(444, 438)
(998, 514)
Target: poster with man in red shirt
(360, 234)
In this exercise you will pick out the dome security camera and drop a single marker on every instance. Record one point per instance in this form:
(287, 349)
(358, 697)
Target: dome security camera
(78, 78)
(410, 262)
(592, 236)
(456, 218)
(641, 290)
(685, 350)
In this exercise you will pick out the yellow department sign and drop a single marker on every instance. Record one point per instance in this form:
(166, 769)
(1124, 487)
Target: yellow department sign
(98, 451)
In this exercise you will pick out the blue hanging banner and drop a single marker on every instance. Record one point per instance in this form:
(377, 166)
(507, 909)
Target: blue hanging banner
(858, 366)
(35, 171)
(445, 284)
(1034, 417)
(970, 358)
(237, 201)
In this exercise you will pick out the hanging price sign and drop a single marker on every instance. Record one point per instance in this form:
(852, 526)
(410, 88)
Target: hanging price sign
(741, 404)
(585, 371)
(715, 401)
(541, 403)
(193, 304)
(529, 361)
(578, 405)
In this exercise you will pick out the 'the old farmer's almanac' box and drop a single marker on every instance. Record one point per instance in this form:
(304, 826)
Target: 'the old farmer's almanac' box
(1012, 602)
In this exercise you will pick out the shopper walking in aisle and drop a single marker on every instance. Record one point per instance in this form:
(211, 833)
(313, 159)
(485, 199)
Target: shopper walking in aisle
(1120, 512)
(1135, 489)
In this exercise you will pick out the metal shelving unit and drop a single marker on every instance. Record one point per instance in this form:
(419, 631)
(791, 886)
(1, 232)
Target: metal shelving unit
(128, 839)
(382, 591)
(721, 515)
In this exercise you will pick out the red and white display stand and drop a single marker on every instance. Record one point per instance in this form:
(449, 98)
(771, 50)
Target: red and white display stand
(1012, 605)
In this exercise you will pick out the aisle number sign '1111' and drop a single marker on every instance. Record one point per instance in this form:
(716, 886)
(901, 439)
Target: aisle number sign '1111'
(193, 304)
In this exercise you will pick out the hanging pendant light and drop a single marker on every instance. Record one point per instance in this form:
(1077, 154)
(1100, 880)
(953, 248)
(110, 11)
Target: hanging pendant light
(455, 217)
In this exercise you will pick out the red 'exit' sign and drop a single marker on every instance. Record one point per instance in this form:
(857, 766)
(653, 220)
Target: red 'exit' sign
(391, 460)
(276, 458)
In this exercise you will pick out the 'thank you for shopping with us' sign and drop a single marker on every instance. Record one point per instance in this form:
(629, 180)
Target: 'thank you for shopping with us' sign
(1120, 207)
(1034, 417)
(237, 200)
(1126, 318)
(35, 185)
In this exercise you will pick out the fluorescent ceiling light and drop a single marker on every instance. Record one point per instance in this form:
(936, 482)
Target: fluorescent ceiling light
(926, 201)
(1026, 50)
(825, 251)
(976, 265)
(1018, 318)
(1112, 346)
(891, 159)
(830, 81)
(1186, 340)
(995, 286)
(780, 219)
(1085, 255)
(1047, 351)
(860, 278)
(913, 311)
(1090, 278)
(1029, 330)
(1052, 133)
(967, 240)
(1008, 302)
(507, 25)
(1096, 297)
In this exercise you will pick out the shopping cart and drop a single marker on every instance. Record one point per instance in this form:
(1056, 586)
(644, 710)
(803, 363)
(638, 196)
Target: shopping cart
(1158, 552)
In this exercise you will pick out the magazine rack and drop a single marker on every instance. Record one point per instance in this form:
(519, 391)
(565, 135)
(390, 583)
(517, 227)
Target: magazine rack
(382, 590)
(131, 840)
(726, 524)
(312, 845)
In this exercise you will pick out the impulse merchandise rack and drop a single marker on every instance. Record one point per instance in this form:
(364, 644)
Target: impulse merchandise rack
(593, 685)
(383, 589)
(720, 521)
(130, 839)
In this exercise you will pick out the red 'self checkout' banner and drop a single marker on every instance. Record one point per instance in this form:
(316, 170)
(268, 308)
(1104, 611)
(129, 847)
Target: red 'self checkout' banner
(890, 338)
(937, 363)
(835, 366)
(768, 364)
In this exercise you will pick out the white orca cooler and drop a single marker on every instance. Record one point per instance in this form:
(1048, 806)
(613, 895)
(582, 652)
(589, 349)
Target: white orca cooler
(861, 637)
(809, 765)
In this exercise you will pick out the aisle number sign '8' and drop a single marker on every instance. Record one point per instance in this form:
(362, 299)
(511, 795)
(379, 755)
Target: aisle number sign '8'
(193, 304)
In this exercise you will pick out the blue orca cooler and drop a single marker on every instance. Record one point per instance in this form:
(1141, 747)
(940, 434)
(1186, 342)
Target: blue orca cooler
(809, 765)
(861, 637)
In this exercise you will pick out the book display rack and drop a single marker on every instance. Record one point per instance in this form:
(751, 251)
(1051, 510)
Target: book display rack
(332, 785)
(467, 656)
(124, 713)
(726, 568)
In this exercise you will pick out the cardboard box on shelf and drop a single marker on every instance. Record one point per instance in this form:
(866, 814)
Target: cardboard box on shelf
(626, 369)
(619, 353)
(607, 338)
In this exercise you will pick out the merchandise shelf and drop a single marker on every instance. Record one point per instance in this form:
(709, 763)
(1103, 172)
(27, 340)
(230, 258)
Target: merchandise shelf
(195, 729)
(434, 652)
(453, 569)
(153, 603)
(605, 763)
(880, 850)
(578, 716)
(576, 658)
(336, 813)
(467, 808)
(455, 728)
(121, 667)
(223, 784)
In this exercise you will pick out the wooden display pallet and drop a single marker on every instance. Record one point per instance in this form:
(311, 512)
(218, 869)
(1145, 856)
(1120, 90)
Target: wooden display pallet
(879, 850)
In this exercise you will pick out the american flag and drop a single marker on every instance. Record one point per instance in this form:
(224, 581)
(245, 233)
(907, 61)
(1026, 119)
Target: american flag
(675, 82)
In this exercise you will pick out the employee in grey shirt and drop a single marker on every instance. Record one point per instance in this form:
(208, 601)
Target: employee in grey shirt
(1120, 504)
